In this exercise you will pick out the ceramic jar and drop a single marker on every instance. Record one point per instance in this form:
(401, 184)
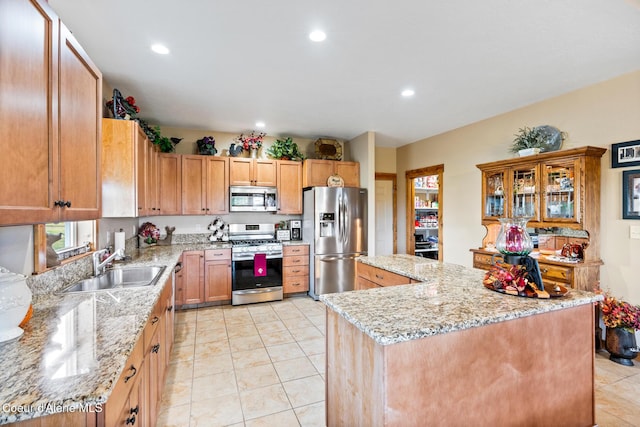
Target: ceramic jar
(15, 299)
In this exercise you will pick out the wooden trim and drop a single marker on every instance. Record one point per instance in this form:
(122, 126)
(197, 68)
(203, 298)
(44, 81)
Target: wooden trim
(380, 176)
(40, 248)
(410, 210)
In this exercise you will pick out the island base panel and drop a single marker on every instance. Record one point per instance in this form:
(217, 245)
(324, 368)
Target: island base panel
(536, 370)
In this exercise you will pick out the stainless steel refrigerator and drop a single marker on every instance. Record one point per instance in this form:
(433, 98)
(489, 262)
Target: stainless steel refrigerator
(335, 226)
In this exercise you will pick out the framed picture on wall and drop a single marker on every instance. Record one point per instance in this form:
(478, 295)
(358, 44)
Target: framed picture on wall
(625, 154)
(631, 194)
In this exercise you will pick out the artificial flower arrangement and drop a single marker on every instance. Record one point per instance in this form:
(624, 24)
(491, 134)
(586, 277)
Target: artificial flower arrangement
(149, 232)
(207, 145)
(619, 314)
(510, 279)
(251, 141)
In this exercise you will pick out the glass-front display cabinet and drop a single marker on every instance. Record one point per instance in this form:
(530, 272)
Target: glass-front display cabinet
(525, 199)
(493, 191)
(560, 194)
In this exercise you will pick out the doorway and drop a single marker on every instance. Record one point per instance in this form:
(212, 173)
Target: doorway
(386, 224)
(425, 188)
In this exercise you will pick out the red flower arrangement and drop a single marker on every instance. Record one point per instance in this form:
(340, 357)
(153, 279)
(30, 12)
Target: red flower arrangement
(251, 141)
(512, 279)
(149, 232)
(619, 314)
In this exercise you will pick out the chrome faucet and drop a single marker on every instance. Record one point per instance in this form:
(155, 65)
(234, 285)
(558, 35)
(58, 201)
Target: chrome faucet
(99, 267)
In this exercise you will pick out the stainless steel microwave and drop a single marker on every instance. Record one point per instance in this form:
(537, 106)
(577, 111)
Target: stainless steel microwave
(253, 199)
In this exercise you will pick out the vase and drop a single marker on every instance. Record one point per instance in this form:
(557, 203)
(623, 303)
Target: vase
(621, 343)
(528, 151)
(254, 153)
(513, 241)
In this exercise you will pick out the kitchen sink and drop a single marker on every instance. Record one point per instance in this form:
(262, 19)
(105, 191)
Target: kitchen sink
(118, 278)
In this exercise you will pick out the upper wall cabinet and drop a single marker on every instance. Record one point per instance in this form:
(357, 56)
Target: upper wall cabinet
(289, 187)
(205, 185)
(125, 161)
(170, 183)
(259, 172)
(315, 173)
(556, 189)
(50, 97)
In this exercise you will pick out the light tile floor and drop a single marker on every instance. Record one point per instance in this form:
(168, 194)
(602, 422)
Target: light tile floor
(263, 365)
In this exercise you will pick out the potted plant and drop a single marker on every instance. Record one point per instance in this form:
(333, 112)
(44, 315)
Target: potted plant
(207, 146)
(528, 141)
(251, 142)
(285, 149)
(622, 320)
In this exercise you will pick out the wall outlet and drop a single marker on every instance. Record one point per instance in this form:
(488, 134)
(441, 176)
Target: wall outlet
(634, 232)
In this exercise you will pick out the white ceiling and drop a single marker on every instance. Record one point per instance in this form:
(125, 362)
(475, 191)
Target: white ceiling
(233, 63)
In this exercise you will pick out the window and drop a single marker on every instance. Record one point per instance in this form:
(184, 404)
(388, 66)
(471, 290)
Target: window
(74, 239)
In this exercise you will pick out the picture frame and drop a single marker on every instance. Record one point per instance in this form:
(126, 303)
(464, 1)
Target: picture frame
(631, 194)
(625, 154)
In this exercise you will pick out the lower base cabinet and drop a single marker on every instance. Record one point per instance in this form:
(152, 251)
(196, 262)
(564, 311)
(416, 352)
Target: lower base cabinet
(205, 277)
(372, 277)
(135, 400)
(295, 269)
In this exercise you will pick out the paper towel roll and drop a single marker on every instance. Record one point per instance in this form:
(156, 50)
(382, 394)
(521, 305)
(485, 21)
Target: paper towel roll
(118, 238)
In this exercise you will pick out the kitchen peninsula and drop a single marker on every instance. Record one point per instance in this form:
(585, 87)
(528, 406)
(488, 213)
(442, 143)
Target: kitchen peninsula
(448, 351)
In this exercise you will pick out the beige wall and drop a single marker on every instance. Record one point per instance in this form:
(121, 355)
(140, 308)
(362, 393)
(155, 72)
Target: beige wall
(385, 160)
(362, 149)
(597, 115)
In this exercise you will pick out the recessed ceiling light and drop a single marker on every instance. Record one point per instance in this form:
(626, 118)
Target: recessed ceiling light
(161, 49)
(317, 36)
(408, 92)
(260, 124)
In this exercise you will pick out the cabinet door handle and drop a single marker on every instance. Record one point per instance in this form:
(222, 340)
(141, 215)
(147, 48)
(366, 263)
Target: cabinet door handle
(155, 348)
(131, 420)
(170, 308)
(134, 410)
(128, 377)
(155, 320)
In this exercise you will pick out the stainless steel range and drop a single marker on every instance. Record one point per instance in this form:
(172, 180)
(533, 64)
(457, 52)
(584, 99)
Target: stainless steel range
(256, 263)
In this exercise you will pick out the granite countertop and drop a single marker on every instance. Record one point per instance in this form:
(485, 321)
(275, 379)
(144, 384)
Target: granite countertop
(449, 298)
(76, 345)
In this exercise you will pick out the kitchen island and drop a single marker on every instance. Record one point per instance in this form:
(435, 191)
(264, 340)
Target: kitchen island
(447, 351)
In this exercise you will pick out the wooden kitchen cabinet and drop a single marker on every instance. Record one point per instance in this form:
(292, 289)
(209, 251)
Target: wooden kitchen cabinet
(217, 275)
(205, 276)
(179, 298)
(289, 179)
(295, 268)
(153, 201)
(258, 172)
(127, 186)
(205, 185)
(50, 102)
(582, 275)
(192, 277)
(315, 173)
(370, 277)
(170, 183)
(117, 409)
(555, 189)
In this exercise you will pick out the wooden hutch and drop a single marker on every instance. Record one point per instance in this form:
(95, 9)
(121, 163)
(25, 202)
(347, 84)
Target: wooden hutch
(555, 189)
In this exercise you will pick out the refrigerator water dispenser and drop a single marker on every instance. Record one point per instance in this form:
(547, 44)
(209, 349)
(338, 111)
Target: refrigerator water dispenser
(327, 224)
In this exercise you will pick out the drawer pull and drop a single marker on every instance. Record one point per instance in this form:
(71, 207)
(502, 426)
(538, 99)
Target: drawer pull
(155, 320)
(379, 276)
(544, 270)
(155, 348)
(134, 410)
(296, 260)
(128, 377)
(131, 420)
(295, 271)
